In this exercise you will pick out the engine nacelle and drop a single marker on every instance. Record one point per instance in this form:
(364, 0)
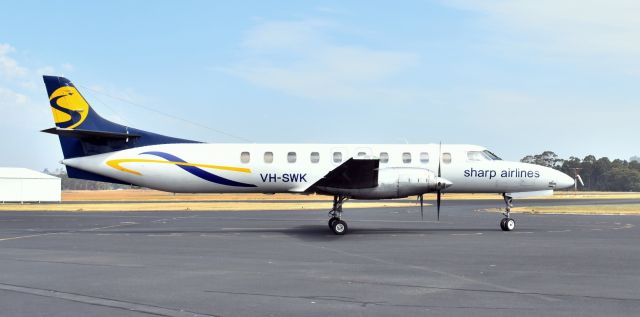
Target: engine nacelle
(395, 182)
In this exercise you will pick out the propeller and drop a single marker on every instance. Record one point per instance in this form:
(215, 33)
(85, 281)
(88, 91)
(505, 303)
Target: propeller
(440, 184)
(421, 207)
(439, 192)
(438, 198)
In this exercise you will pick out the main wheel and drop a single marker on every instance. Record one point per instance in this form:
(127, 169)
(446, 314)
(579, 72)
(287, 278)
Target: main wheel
(339, 227)
(331, 220)
(507, 224)
(510, 224)
(502, 226)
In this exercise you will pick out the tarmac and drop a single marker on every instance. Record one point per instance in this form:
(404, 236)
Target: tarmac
(288, 263)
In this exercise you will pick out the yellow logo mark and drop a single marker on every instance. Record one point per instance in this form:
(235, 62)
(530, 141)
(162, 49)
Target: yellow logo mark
(116, 164)
(69, 107)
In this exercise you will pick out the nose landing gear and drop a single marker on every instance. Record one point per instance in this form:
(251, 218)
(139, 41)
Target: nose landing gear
(507, 223)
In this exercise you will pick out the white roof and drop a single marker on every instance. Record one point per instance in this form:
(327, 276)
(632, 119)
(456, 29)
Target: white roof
(23, 173)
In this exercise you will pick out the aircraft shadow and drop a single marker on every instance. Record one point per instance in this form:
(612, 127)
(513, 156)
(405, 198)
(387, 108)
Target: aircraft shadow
(316, 232)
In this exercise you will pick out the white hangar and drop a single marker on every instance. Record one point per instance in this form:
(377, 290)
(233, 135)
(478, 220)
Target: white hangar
(25, 185)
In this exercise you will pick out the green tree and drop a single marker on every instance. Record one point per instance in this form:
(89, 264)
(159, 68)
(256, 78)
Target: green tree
(547, 158)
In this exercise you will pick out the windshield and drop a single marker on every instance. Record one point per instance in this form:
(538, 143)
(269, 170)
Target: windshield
(491, 155)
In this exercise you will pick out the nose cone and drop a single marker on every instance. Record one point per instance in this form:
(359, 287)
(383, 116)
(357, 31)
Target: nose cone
(563, 180)
(443, 183)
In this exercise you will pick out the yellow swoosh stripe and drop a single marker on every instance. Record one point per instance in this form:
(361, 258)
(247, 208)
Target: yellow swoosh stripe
(116, 164)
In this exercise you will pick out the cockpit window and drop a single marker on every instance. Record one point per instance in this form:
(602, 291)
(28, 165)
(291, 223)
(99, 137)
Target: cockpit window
(482, 156)
(492, 156)
(476, 156)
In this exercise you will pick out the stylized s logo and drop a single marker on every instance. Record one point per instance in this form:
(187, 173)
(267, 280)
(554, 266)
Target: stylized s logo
(69, 107)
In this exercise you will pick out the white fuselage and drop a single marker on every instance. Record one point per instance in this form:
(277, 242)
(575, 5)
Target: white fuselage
(293, 168)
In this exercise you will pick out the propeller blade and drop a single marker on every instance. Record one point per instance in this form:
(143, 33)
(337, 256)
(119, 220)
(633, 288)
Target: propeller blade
(439, 159)
(438, 204)
(439, 175)
(421, 208)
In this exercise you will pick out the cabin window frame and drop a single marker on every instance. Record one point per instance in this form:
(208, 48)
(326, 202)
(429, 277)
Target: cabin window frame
(384, 157)
(268, 157)
(424, 157)
(406, 157)
(245, 157)
(314, 157)
(447, 157)
(292, 157)
(337, 157)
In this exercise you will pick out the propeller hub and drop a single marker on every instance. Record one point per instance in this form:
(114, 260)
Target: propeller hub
(443, 183)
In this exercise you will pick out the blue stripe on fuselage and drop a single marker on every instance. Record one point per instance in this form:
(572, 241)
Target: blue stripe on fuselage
(197, 171)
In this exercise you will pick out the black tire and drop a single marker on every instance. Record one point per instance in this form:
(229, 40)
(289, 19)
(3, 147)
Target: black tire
(509, 224)
(339, 227)
(331, 220)
(502, 224)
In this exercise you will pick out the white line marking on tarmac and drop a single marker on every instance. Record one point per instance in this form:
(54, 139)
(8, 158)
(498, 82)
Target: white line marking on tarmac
(29, 236)
(68, 232)
(175, 234)
(467, 234)
(254, 229)
(125, 306)
(122, 224)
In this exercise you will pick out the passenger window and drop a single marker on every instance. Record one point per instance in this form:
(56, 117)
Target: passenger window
(315, 157)
(361, 154)
(268, 157)
(446, 158)
(406, 157)
(384, 157)
(291, 157)
(424, 157)
(337, 157)
(245, 157)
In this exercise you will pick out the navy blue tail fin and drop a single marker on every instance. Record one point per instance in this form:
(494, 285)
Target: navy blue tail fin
(83, 132)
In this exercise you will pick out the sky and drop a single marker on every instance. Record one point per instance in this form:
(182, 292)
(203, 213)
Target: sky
(517, 76)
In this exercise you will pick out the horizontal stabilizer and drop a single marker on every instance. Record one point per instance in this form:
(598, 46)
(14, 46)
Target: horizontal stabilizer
(352, 174)
(89, 134)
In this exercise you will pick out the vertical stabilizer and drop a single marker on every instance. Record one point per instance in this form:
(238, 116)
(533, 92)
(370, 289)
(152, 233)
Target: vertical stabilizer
(82, 131)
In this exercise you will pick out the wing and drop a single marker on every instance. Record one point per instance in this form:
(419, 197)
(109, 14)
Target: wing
(352, 174)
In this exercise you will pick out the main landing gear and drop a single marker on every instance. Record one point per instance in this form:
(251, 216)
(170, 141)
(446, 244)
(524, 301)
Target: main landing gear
(336, 224)
(507, 223)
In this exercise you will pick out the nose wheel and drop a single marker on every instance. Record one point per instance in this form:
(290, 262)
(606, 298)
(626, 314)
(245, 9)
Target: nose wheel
(336, 224)
(507, 223)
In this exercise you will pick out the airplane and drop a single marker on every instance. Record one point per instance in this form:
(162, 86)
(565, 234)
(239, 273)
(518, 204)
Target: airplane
(100, 150)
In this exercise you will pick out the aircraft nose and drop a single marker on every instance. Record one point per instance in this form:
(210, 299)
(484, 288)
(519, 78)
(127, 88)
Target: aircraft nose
(563, 180)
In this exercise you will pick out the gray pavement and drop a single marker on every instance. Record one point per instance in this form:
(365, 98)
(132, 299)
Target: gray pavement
(287, 263)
